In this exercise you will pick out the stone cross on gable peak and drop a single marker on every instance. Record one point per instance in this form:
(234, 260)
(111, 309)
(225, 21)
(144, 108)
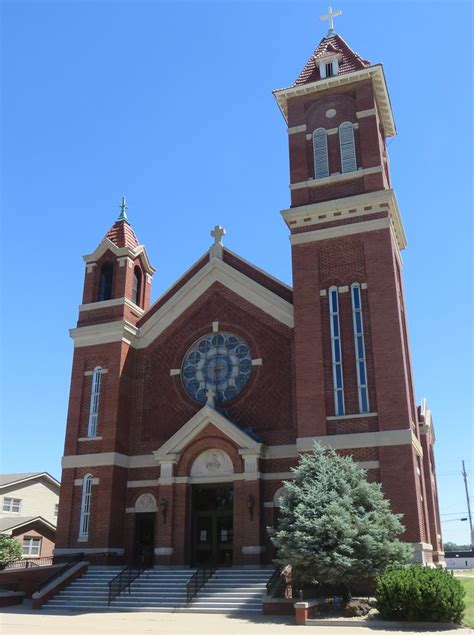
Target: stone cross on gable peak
(217, 233)
(211, 398)
(330, 17)
(217, 249)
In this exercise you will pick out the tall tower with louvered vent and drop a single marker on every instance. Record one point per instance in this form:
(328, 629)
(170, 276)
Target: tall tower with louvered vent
(354, 387)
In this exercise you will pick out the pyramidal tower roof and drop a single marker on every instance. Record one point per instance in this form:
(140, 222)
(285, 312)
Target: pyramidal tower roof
(121, 232)
(331, 45)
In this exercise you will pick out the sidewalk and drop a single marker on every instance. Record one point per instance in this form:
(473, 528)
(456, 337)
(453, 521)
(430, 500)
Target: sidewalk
(21, 620)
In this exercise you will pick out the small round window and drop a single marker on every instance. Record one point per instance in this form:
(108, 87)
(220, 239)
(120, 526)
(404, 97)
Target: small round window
(220, 363)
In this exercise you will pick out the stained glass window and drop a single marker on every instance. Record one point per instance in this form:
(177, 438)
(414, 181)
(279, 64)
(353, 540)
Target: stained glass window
(220, 363)
(337, 375)
(359, 348)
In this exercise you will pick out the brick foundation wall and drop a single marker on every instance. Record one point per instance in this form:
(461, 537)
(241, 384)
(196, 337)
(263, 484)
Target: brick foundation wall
(27, 580)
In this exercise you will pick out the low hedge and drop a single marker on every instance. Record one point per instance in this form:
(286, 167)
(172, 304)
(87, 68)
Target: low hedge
(420, 594)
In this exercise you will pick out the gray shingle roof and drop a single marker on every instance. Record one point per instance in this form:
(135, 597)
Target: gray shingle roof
(8, 479)
(9, 523)
(11, 478)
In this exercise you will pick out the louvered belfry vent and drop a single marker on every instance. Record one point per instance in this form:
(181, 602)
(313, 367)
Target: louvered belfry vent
(346, 140)
(320, 151)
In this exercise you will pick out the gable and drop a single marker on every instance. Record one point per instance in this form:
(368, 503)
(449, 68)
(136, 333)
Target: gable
(12, 482)
(131, 252)
(203, 418)
(214, 271)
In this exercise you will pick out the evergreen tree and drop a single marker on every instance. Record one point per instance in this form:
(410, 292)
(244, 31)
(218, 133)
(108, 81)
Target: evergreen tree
(335, 527)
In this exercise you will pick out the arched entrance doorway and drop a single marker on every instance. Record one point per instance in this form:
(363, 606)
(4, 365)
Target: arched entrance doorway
(212, 527)
(145, 521)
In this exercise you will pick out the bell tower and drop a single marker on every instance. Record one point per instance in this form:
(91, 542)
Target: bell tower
(118, 276)
(354, 386)
(117, 289)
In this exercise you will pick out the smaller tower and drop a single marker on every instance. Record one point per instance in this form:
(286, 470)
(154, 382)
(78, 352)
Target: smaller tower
(118, 276)
(117, 291)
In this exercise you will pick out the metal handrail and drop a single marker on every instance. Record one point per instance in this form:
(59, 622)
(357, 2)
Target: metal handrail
(79, 557)
(275, 581)
(26, 563)
(123, 580)
(197, 581)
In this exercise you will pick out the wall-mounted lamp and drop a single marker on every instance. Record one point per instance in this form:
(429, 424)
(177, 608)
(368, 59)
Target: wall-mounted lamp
(164, 508)
(250, 505)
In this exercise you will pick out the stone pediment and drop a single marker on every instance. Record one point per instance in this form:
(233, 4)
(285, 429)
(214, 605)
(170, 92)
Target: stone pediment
(190, 430)
(132, 252)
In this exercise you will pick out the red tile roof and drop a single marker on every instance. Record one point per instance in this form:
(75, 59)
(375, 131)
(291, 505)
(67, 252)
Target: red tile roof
(351, 61)
(122, 235)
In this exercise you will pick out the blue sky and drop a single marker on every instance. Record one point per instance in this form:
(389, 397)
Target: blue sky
(171, 104)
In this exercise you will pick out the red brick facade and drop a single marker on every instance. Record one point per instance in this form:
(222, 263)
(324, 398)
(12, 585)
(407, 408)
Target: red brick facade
(154, 444)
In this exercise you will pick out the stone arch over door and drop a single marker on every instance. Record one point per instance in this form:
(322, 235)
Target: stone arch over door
(280, 493)
(146, 503)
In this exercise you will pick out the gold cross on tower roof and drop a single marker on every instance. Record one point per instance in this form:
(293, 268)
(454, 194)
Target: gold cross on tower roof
(330, 16)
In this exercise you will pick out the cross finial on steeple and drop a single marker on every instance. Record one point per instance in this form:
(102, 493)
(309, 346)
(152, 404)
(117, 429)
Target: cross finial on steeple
(123, 210)
(330, 16)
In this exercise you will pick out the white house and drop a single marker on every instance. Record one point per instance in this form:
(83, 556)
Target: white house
(28, 511)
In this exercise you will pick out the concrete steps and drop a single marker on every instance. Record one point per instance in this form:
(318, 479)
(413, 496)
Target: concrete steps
(232, 590)
(227, 591)
(156, 589)
(91, 591)
(153, 590)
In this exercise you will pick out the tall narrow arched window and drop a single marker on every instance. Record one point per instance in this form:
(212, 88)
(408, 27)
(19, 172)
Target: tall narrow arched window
(336, 351)
(106, 281)
(320, 153)
(137, 286)
(94, 404)
(361, 366)
(85, 506)
(346, 141)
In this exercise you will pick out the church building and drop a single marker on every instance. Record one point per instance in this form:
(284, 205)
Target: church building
(187, 414)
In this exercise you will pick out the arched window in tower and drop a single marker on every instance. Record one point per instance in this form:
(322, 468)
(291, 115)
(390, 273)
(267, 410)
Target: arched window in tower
(137, 286)
(361, 366)
(85, 507)
(106, 281)
(347, 144)
(94, 404)
(336, 352)
(320, 153)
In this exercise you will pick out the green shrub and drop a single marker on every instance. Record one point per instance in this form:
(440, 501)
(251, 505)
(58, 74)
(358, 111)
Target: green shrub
(420, 594)
(10, 549)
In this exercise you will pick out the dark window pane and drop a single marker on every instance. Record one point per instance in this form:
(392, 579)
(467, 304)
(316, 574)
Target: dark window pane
(340, 403)
(356, 297)
(362, 373)
(364, 401)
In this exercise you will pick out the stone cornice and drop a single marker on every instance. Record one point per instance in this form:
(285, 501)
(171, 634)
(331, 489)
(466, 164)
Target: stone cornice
(348, 207)
(336, 178)
(105, 304)
(166, 454)
(375, 73)
(117, 331)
